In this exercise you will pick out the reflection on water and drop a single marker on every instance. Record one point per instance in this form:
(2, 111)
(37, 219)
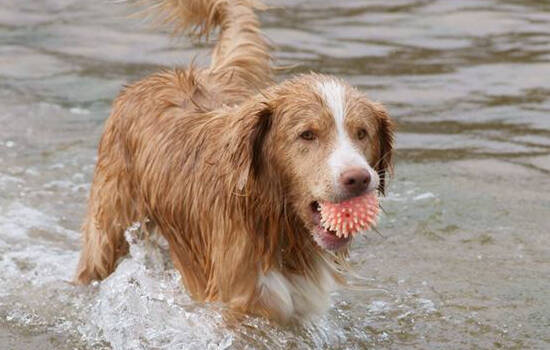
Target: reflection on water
(463, 254)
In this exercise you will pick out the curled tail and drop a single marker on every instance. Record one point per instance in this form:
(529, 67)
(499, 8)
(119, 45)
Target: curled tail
(241, 53)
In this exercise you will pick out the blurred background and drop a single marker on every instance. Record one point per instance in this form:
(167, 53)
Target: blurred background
(462, 260)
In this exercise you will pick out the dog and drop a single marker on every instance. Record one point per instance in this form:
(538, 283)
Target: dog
(229, 168)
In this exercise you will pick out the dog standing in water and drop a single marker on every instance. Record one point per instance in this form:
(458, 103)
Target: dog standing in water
(234, 170)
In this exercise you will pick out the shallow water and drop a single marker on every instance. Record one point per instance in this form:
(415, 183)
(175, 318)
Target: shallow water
(463, 256)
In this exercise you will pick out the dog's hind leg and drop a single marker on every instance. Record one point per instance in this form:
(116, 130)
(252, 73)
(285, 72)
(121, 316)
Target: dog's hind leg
(100, 252)
(104, 242)
(110, 212)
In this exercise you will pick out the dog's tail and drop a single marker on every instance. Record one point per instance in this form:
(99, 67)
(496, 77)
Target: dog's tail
(241, 54)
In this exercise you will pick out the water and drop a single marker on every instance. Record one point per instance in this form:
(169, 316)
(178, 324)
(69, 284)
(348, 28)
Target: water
(463, 258)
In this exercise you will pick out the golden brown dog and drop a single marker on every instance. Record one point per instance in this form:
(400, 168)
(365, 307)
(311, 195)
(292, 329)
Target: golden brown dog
(229, 168)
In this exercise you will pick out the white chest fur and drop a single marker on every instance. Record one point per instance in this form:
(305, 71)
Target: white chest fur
(297, 296)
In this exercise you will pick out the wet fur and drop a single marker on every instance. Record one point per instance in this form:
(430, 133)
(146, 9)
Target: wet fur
(200, 153)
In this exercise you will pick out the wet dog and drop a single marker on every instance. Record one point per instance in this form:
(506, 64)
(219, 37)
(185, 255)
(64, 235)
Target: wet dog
(230, 169)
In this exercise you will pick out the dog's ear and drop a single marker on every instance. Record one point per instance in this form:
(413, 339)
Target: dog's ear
(386, 127)
(251, 128)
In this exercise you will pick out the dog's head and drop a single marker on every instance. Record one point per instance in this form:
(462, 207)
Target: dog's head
(321, 140)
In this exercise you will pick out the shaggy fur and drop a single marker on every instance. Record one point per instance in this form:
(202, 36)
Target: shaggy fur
(217, 161)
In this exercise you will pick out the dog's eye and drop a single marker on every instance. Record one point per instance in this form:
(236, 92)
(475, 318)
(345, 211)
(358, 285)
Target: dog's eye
(361, 134)
(308, 135)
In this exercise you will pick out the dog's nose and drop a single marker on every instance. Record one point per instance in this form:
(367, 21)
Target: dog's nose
(355, 181)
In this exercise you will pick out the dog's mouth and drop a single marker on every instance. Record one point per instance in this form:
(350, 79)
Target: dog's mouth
(336, 223)
(326, 238)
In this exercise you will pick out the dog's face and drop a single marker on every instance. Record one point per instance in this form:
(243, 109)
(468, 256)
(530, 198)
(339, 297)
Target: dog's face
(328, 142)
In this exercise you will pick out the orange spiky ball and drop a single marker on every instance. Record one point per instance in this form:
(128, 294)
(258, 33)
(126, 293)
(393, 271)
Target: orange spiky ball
(349, 217)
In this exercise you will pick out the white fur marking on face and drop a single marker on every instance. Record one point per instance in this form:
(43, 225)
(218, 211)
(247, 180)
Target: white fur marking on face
(334, 95)
(345, 155)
